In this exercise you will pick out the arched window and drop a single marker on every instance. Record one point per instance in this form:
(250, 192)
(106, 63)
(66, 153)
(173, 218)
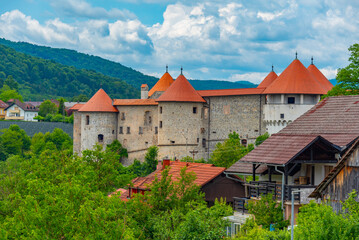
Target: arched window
(100, 138)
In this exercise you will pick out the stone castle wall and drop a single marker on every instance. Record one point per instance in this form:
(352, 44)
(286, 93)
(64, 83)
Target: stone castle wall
(77, 132)
(95, 124)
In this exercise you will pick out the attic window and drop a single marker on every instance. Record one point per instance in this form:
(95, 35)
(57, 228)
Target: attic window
(291, 100)
(100, 138)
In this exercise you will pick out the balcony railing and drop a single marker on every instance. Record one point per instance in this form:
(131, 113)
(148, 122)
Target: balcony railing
(258, 188)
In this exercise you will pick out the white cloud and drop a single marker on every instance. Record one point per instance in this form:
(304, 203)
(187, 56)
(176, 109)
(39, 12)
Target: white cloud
(254, 77)
(329, 72)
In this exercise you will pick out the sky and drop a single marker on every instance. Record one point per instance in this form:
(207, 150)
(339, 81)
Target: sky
(217, 39)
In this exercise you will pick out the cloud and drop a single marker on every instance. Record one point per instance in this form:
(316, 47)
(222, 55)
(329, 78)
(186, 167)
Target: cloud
(80, 8)
(221, 40)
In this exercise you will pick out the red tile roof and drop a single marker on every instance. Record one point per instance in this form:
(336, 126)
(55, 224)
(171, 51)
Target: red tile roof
(268, 80)
(3, 105)
(320, 77)
(76, 107)
(204, 173)
(295, 79)
(100, 102)
(245, 168)
(162, 85)
(134, 102)
(144, 85)
(230, 92)
(180, 91)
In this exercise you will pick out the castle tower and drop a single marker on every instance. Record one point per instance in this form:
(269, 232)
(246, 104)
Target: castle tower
(320, 77)
(181, 120)
(161, 86)
(290, 95)
(98, 121)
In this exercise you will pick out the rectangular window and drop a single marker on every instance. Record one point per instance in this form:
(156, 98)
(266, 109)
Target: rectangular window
(140, 130)
(87, 119)
(291, 100)
(120, 130)
(156, 130)
(194, 110)
(161, 110)
(160, 124)
(282, 115)
(123, 116)
(128, 130)
(100, 138)
(204, 142)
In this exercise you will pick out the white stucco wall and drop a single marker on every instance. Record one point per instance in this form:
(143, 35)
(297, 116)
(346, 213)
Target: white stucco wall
(29, 116)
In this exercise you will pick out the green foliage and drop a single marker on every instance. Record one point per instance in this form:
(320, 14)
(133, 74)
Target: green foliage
(80, 98)
(13, 141)
(39, 78)
(47, 107)
(116, 148)
(61, 109)
(6, 93)
(230, 151)
(10, 81)
(261, 139)
(348, 77)
(190, 159)
(267, 211)
(151, 159)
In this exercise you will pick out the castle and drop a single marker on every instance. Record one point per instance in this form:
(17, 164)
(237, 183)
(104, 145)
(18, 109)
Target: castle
(184, 122)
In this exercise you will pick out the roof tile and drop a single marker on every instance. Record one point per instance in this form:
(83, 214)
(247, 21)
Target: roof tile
(230, 92)
(162, 85)
(268, 80)
(100, 102)
(134, 102)
(320, 77)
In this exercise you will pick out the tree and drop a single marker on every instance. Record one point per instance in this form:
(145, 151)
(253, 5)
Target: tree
(151, 159)
(14, 141)
(80, 98)
(6, 93)
(10, 81)
(230, 151)
(348, 77)
(61, 109)
(47, 107)
(261, 139)
(116, 148)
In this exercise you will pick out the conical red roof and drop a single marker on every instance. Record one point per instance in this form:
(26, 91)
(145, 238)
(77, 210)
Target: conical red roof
(320, 77)
(295, 79)
(100, 102)
(162, 85)
(181, 91)
(268, 80)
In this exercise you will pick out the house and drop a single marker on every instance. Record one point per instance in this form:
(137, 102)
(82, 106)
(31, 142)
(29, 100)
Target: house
(18, 110)
(341, 181)
(178, 119)
(213, 181)
(300, 156)
(3, 106)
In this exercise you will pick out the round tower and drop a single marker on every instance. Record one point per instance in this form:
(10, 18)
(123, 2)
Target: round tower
(98, 121)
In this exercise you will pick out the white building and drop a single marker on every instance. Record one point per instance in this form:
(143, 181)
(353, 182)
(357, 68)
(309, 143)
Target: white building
(21, 111)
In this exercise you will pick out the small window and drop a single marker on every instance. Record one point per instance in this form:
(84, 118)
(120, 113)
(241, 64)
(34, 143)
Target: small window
(120, 130)
(140, 130)
(244, 142)
(100, 138)
(128, 130)
(123, 116)
(161, 110)
(197, 140)
(160, 124)
(173, 142)
(194, 110)
(291, 100)
(282, 115)
(87, 119)
(204, 142)
(113, 131)
(156, 130)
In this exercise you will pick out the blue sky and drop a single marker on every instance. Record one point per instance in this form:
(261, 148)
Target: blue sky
(225, 40)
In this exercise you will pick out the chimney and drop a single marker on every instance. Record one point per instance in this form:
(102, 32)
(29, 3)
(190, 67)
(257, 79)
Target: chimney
(144, 91)
(165, 162)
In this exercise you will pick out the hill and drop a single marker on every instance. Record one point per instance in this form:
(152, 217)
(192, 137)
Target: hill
(109, 68)
(40, 79)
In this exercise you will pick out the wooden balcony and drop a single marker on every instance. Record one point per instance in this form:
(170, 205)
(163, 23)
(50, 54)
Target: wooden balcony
(14, 118)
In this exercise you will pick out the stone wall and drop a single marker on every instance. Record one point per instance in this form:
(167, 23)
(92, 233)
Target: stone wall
(95, 124)
(182, 128)
(142, 122)
(77, 132)
(242, 114)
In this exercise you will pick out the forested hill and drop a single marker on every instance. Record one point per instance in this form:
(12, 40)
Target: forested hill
(83, 61)
(40, 79)
(106, 67)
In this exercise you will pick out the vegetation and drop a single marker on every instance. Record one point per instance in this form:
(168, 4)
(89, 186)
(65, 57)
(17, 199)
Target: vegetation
(348, 77)
(38, 78)
(47, 193)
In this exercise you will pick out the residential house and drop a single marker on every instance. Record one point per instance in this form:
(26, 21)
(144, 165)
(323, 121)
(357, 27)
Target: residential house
(212, 180)
(3, 106)
(17, 110)
(301, 155)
